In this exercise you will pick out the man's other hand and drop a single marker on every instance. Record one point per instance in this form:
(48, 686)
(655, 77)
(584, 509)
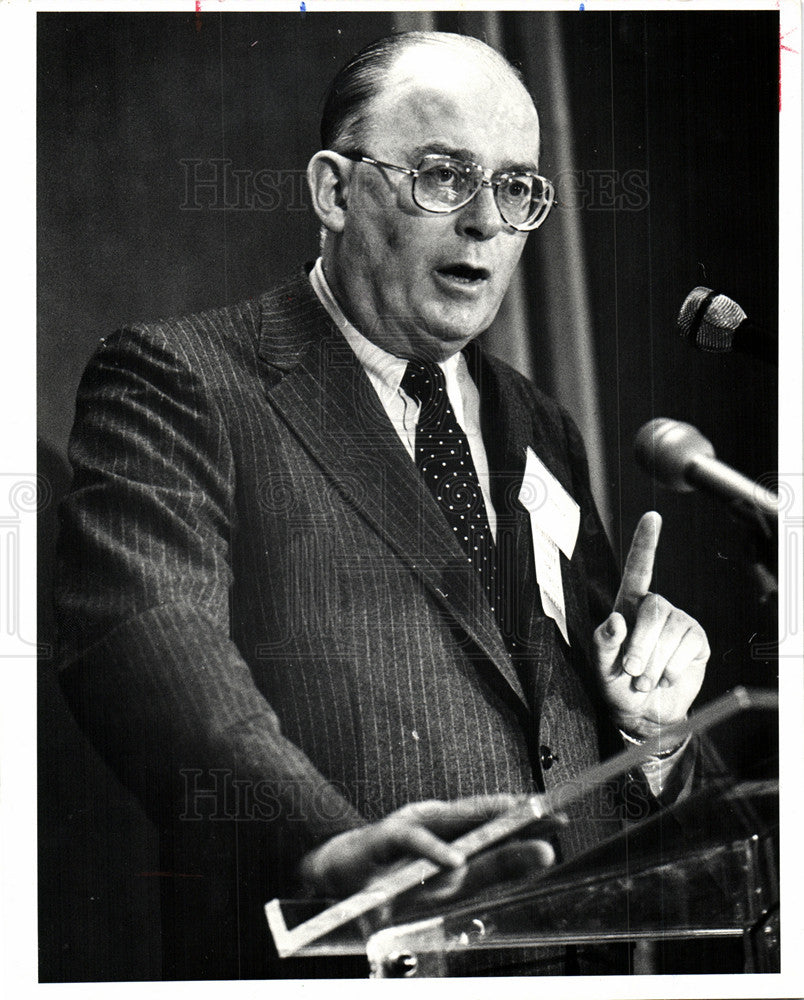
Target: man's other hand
(651, 657)
(350, 861)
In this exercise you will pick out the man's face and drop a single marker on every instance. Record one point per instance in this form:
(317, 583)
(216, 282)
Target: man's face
(415, 282)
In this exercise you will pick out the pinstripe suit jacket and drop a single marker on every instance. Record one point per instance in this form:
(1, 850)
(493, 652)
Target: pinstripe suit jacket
(265, 619)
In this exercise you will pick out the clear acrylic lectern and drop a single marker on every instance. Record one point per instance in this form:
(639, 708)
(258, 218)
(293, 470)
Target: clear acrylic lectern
(705, 865)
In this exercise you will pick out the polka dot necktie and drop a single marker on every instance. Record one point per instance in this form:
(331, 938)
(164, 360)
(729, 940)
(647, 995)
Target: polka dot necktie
(445, 462)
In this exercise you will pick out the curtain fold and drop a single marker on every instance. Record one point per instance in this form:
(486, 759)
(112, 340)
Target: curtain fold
(545, 327)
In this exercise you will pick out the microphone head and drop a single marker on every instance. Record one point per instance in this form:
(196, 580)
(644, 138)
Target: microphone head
(667, 448)
(709, 321)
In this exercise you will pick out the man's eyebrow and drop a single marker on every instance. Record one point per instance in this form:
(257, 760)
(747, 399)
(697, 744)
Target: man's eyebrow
(444, 149)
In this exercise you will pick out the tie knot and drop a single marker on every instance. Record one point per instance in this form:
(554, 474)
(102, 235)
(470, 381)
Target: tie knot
(424, 380)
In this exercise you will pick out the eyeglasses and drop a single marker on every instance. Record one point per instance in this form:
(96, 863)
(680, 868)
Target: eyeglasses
(442, 184)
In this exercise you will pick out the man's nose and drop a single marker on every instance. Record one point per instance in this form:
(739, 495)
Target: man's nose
(480, 219)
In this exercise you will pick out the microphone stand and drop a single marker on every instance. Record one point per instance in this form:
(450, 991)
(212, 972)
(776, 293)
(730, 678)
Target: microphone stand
(761, 549)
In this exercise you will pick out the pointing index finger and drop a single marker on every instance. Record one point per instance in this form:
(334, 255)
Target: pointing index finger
(638, 571)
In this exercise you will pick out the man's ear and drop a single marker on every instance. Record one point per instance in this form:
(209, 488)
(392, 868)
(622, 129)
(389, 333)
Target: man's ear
(328, 176)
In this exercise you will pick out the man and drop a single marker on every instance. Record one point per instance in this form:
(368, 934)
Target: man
(275, 625)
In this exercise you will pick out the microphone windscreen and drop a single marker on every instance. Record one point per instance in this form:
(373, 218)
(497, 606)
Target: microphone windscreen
(709, 320)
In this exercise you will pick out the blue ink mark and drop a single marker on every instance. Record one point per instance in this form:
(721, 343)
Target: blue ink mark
(582, 7)
(302, 6)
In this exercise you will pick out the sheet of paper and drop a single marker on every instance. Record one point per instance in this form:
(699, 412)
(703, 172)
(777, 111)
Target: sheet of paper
(558, 515)
(548, 575)
(554, 521)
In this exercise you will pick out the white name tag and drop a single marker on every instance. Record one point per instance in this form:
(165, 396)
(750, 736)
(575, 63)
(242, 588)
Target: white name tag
(554, 522)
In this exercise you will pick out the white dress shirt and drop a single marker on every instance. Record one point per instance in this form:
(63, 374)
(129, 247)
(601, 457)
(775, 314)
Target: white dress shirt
(385, 372)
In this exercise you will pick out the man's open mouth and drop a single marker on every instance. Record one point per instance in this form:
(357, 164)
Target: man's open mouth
(464, 272)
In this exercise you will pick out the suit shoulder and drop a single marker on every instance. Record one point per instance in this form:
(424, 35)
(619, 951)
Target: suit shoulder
(212, 327)
(216, 339)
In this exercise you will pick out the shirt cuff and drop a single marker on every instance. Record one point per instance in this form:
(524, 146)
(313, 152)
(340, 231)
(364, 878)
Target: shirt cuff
(657, 767)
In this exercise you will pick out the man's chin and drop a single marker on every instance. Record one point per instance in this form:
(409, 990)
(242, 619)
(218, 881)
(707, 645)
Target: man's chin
(434, 336)
(443, 343)
(455, 339)
(457, 329)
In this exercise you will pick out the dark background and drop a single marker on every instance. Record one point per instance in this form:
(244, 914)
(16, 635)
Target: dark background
(688, 99)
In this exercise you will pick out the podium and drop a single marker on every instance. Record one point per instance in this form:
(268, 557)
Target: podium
(702, 866)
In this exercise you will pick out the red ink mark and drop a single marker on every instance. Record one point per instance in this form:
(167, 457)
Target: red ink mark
(197, 15)
(785, 48)
(166, 875)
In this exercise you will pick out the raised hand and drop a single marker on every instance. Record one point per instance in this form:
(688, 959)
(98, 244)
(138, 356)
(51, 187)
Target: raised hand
(651, 657)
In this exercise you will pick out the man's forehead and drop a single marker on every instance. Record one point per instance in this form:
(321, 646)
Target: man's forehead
(438, 63)
(442, 94)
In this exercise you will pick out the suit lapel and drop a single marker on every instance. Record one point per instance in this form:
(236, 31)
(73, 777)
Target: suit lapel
(507, 427)
(318, 387)
(573, 579)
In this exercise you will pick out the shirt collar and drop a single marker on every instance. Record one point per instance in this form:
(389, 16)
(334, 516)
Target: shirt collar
(385, 367)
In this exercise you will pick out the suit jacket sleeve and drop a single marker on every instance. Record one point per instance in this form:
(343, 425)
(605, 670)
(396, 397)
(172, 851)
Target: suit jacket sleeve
(143, 599)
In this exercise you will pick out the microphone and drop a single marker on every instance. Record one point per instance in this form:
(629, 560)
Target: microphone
(679, 456)
(716, 323)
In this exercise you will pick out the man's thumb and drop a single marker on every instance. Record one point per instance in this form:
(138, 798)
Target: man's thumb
(609, 637)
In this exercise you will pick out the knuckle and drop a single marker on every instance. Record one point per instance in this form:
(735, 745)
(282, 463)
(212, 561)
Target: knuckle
(694, 635)
(638, 650)
(405, 834)
(413, 810)
(388, 828)
(430, 809)
(680, 623)
(661, 605)
(421, 813)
